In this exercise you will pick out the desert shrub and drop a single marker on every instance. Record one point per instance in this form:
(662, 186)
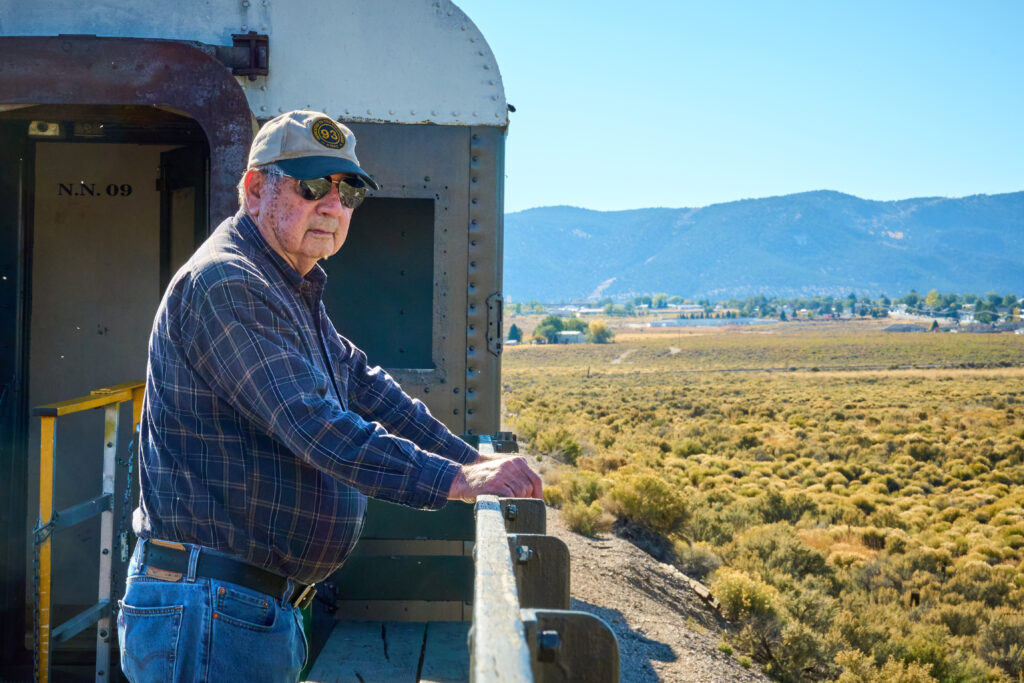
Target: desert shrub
(553, 496)
(644, 498)
(582, 518)
(962, 619)
(688, 447)
(581, 486)
(696, 560)
(743, 596)
(977, 581)
(558, 441)
(931, 560)
(1001, 641)
(864, 504)
(776, 548)
(923, 452)
(774, 506)
(859, 668)
(873, 538)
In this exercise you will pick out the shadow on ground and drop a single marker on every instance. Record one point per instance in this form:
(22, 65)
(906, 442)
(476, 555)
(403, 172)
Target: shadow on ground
(634, 646)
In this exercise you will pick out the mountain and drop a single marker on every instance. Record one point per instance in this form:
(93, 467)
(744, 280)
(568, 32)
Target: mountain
(803, 244)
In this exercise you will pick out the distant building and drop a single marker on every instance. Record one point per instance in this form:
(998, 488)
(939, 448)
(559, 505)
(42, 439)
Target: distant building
(687, 310)
(569, 337)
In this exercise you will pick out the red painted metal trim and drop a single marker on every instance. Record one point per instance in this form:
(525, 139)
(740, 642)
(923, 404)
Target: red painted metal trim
(134, 71)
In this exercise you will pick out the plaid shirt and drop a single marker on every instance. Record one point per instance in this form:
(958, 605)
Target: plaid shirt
(264, 429)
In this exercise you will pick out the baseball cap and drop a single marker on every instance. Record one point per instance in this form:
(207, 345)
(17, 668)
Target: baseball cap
(307, 145)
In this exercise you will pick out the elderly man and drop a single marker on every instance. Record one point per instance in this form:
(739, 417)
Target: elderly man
(264, 429)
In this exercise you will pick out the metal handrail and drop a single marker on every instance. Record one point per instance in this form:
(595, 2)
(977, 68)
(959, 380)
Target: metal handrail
(110, 399)
(499, 650)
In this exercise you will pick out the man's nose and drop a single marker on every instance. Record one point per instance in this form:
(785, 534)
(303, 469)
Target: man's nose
(330, 204)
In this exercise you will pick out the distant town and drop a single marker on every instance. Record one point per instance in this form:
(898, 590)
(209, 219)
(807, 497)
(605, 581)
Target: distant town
(568, 322)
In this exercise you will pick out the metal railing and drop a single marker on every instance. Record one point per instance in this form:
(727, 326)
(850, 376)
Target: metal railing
(110, 399)
(522, 628)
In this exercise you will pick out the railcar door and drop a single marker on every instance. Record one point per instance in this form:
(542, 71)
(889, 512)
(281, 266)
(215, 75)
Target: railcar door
(114, 201)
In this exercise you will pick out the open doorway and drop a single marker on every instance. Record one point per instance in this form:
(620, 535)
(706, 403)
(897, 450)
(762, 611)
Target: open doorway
(101, 205)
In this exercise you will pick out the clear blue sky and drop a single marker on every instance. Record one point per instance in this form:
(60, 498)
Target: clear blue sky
(661, 103)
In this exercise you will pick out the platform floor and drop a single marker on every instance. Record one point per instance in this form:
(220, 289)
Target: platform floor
(416, 652)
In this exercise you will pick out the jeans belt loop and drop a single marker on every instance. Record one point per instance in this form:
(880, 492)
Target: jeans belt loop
(193, 560)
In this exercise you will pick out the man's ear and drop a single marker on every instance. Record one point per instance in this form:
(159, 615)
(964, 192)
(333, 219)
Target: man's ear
(255, 186)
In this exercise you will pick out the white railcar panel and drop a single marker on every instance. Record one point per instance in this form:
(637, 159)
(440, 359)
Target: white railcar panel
(396, 61)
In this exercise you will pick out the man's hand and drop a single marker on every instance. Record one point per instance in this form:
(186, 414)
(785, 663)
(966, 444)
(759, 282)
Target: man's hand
(509, 477)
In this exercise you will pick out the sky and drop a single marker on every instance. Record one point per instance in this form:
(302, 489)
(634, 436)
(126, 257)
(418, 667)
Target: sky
(686, 104)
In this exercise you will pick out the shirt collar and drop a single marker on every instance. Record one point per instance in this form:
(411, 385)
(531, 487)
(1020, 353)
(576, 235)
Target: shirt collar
(316, 277)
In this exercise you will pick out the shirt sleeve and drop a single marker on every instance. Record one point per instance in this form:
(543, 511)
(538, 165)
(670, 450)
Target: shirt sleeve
(238, 345)
(375, 395)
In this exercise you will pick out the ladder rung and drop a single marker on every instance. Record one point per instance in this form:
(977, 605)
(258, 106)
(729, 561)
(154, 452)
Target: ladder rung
(78, 623)
(83, 511)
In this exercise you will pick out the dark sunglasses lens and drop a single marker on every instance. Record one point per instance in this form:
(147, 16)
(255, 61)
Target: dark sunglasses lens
(315, 189)
(352, 192)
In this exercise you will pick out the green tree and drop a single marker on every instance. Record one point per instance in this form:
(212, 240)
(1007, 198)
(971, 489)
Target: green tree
(549, 328)
(514, 333)
(574, 325)
(599, 333)
(659, 301)
(932, 300)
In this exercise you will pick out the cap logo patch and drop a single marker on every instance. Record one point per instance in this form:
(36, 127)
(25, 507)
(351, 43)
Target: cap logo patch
(327, 133)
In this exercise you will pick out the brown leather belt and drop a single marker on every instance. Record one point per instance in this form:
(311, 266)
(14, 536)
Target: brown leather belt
(169, 562)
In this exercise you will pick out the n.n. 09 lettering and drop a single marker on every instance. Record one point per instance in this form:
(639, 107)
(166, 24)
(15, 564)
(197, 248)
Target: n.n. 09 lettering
(84, 189)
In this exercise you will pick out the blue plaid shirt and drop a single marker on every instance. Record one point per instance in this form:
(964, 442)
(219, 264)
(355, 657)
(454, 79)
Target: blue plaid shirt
(264, 429)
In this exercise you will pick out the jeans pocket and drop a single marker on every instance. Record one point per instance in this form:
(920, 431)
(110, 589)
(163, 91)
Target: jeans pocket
(253, 611)
(149, 641)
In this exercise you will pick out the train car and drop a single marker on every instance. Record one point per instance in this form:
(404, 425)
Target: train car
(124, 128)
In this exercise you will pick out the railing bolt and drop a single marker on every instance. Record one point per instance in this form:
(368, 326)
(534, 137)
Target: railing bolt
(103, 633)
(550, 644)
(525, 554)
(106, 551)
(511, 512)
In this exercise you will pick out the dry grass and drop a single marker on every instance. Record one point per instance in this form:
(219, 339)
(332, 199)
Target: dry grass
(898, 458)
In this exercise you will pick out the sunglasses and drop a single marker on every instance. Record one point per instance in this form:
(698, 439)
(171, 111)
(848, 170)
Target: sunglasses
(352, 191)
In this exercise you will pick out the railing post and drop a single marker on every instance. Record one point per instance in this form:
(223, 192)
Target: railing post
(48, 447)
(138, 393)
(110, 423)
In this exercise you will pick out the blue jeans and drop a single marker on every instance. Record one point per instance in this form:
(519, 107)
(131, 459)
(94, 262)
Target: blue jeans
(201, 629)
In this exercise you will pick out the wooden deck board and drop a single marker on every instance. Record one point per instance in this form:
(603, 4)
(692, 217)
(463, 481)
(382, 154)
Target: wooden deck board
(447, 653)
(356, 653)
(374, 651)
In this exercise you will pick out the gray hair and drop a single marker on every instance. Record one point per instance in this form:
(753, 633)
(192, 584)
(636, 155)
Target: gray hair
(271, 172)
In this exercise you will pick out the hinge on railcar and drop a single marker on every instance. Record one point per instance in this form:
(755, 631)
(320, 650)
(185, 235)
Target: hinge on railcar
(494, 314)
(248, 55)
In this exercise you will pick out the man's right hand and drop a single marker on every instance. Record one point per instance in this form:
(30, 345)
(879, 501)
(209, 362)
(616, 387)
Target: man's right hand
(508, 477)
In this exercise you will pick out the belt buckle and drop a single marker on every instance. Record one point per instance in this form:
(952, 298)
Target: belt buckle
(305, 597)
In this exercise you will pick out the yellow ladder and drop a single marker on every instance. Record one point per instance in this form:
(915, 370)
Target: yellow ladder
(110, 399)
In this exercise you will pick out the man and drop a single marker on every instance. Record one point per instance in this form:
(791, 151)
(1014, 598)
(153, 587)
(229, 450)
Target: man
(263, 429)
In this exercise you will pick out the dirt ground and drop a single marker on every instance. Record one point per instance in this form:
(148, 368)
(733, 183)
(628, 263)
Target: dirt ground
(666, 631)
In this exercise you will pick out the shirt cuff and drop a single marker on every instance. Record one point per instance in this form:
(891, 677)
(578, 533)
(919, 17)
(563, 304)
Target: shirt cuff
(431, 489)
